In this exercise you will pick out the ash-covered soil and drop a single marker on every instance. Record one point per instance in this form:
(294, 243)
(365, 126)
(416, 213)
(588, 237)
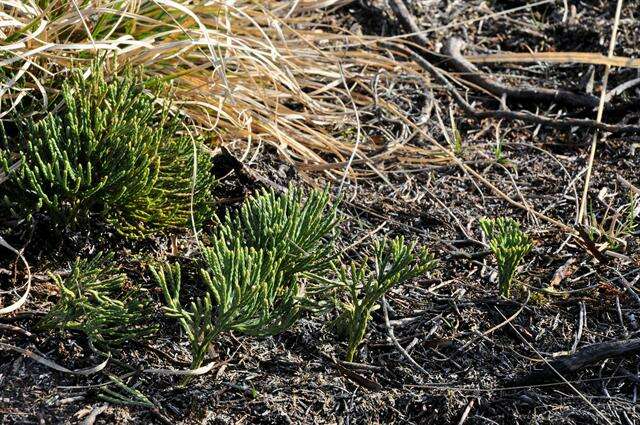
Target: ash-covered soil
(473, 349)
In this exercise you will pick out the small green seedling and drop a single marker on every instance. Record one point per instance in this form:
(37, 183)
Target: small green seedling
(509, 244)
(97, 300)
(498, 153)
(110, 154)
(394, 262)
(615, 225)
(252, 268)
(127, 396)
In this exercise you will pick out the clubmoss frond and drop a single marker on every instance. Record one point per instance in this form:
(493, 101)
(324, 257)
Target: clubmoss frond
(252, 268)
(245, 292)
(300, 231)
(394, 262)
(96, 300)
(126, 396)
(509, 244)
(112, 153)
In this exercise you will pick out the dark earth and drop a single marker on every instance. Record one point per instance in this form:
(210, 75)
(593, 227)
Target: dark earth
(474, 347)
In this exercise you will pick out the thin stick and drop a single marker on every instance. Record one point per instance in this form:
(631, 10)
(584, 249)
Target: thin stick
(582, 317)
(556, 57)
(603, 95)
(400, 348)
(16, 305)
(358, 129)
(559, 374)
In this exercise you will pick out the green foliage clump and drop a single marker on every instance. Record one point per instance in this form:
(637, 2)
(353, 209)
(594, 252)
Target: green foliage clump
(252, 268)
(126, 396)
(112, 152)
(394, 262)
(249, 286)
(97, 300)
(509, 244)
(245, 292)
(274, 258)
(295, 230)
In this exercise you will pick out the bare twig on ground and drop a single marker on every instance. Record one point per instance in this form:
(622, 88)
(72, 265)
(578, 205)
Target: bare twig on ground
(385, 310)
(603, 96)
(626, 183)
(424, 59)
(95, 412)
(556, 57)
(472, 74)
(582, 358)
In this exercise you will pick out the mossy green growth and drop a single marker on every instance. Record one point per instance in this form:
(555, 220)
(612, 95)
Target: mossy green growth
(299, 230)
(98, 300)
(112, 153)
(254, 268)
(245, 292)
(390, 263)
(509, 244)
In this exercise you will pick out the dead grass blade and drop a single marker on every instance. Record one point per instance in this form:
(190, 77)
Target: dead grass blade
(245, 73)
(53, 365)
(603, 97)
(16, 305)
(557, 57)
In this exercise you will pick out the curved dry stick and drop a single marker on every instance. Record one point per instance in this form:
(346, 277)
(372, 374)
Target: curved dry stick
(472, 74)
(395, 341)
(16, 305)
(525, 116)
(584, 357)
(424, 59)
(53, 365)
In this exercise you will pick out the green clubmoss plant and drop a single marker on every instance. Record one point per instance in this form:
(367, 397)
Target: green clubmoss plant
(126, 396)
(97, 299)
(110, 153)
(299, 230)
(509, 244)
(253, 268)
(393, 262)
(244, 292)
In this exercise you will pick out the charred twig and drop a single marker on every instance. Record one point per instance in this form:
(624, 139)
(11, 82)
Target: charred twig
(352, 376)
(424, 58)
(385, 309)
(585, 241)
(408, 23)
(626, 183)
(525, 116)
(581, 359)
(16, 329)
(472, 74)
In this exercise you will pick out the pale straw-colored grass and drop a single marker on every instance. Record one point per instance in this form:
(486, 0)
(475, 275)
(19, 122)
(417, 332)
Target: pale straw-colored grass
(245, 73)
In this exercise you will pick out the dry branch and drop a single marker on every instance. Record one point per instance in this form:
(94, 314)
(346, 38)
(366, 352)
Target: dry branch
(471, 73)
(585, 58)
(525, 116)
(582, 358)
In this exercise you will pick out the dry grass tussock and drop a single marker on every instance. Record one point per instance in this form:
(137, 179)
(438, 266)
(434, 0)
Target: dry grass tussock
(246, 73)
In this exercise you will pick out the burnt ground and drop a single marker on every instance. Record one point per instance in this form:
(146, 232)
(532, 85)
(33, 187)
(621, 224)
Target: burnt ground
(452, 323)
